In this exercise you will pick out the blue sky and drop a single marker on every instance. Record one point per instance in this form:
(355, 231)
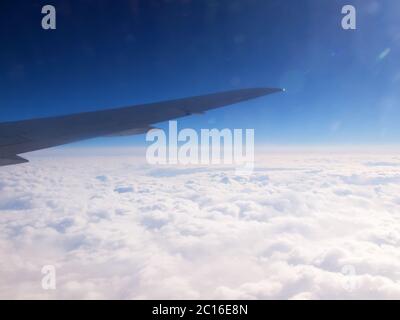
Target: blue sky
(342, 86)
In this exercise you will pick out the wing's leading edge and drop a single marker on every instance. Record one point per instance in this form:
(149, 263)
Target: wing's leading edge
(30, 135)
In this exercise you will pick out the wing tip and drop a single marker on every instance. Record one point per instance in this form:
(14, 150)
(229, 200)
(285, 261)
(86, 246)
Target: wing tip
(252, 93)
(271, 90)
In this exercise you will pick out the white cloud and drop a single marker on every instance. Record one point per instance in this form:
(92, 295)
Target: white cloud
(117, 228)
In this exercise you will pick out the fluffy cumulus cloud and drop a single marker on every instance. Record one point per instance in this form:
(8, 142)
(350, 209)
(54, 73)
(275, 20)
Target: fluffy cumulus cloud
(304, 225)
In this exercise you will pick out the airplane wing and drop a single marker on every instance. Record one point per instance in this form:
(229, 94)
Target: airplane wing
(30, 135)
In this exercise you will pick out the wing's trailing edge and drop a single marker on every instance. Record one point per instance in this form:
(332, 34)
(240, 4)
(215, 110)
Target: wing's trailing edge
(11, 160)
(30, 135)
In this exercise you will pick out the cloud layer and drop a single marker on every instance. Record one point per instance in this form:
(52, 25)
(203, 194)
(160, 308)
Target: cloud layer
(304, 226)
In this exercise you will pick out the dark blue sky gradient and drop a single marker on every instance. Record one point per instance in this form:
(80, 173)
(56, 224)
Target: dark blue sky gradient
(341, 88)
